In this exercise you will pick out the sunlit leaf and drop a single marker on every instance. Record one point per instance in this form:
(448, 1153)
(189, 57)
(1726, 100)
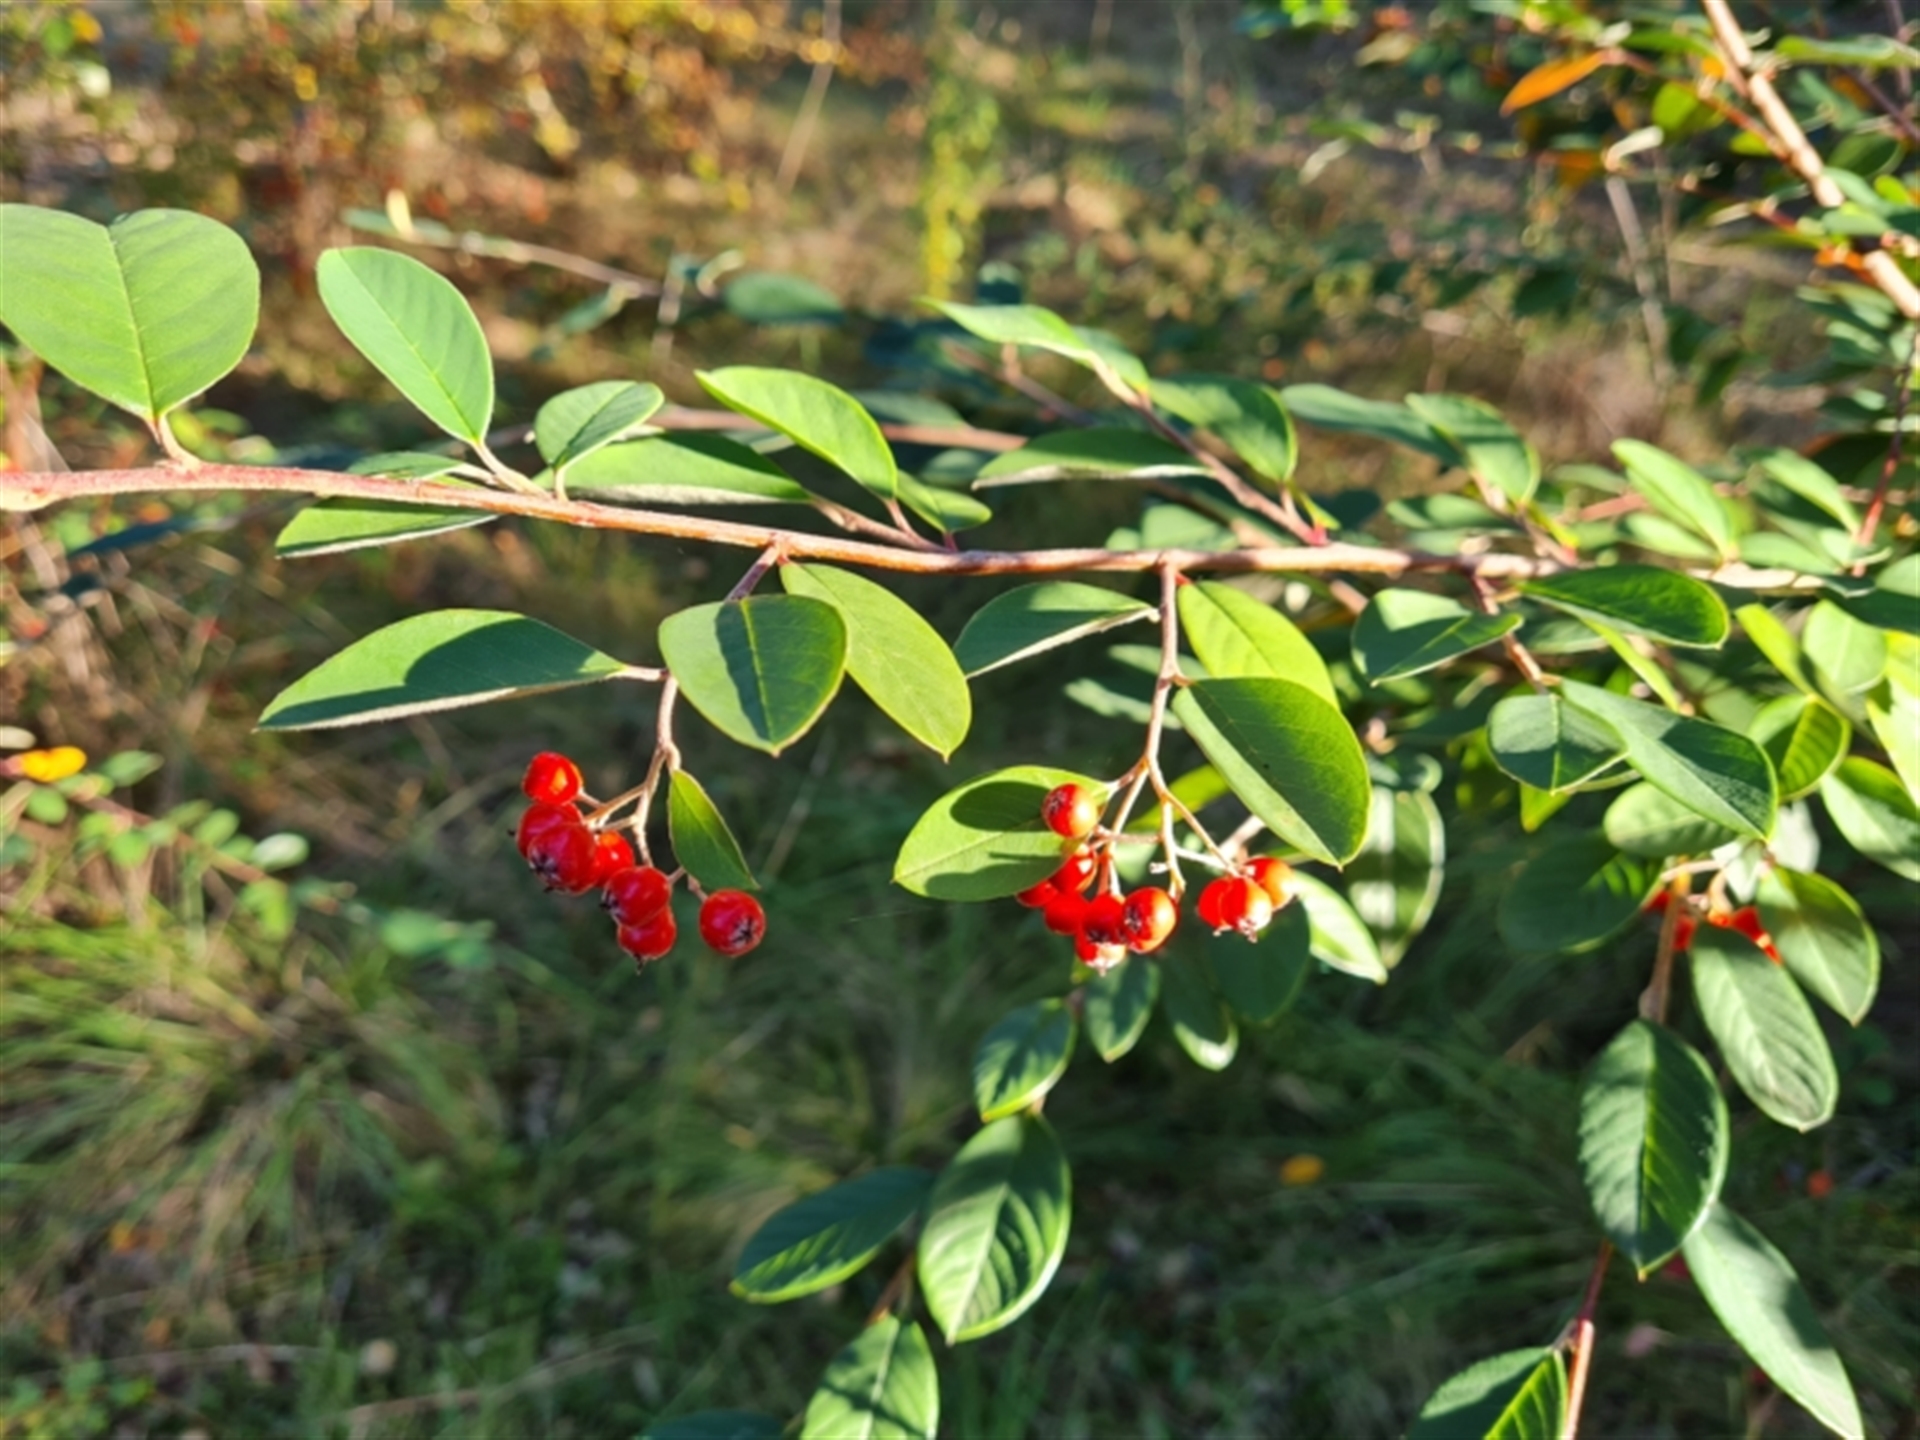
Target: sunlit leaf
(1542, 741)
(1765, 1029)
(1493, 450)
(1677, 491)
(1096, 453)
(1641, 600)
(761, 669)
(881, 1387)
(986, 839)
(1234, 634)
(1405, 632)
(1823, 938)
(816, 416)
(689, 469)
(1035, 618)
(578, 422)
(1521, 1395)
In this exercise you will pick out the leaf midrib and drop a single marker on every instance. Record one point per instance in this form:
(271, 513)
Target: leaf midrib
(433, 373)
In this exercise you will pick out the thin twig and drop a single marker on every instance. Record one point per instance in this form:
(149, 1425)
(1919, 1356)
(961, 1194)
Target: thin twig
(1903, 388)
(1653, 1000)
(1651, 315)
(896, 1287)
(1580, 1343)
(1891, 108)
(797, 141)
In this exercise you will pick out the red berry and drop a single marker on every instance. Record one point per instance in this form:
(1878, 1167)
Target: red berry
(1077, 873)
(1038, 896)
(561, 851)
(1207, 908)
(1064, 913)
(1070, 810)
(1658, 904)
(1820, 1184)
(636, 894)
(552, 779)
(1683, 932)
(1148, 919)
(1100, 957)
(1274, 876)
(732, 922)
(1234, 902)
(1104, 920)
(651, 938)
(542, 820)
(614, 854)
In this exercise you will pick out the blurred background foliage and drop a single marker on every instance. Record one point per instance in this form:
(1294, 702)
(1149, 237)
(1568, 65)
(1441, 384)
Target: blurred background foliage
(346, 1129)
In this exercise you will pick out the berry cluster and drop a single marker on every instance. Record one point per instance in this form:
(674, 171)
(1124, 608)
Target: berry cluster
(1745, 920)
(572, 856)
(1106, 924)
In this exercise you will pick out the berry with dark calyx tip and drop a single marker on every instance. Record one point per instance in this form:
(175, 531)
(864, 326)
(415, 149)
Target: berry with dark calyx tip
(543, 820)
(1104, 922)
(651, 938)
(1274, 876)
(1064, 913)
(561, 851)
(1077, 873)
(1038, 897)
(732, 922)
(1100, 957)
(552, 779)
(1236, 904)
(614, 853)
(1147, 919)
(1070, 810)
(636, 894)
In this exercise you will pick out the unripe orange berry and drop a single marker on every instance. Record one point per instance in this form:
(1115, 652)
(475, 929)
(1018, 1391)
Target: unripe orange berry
(1070, 810)
(552, 779)
(732, 922)
(1148, 919)
(1274, 876)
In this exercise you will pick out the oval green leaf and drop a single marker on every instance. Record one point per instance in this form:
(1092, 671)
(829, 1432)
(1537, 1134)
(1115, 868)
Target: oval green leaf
(1337, 936)
(947, 510)
(1326, 408)
(438, 661)
(1201, 1021)
(701, 840)
(761, 669)
(332, 526)
(1804, 739)
(1101, 452)
(578, 422)
(690, 469)
(1542, 741)
(1022, 1058)
(1757, 1296)
(767, 297)
(1874, 814)
(1035, 618)
(1247, 416)
(1394, 882)
(985, 839)
(820, 1240)
(1650, 823)
(1812, 484)
(1677, 491)
(1847, 655)
(1640, 599)
(1654, 1140)
(1404, 632)
(1573, 895)
(1288, 755)
(1116, 1005)
(1262, 980)
(1234, 634)
(816, 416)
(881, 1387)
(1493, 451)
(1521, 1395)
(894, 655)
(1764, 1027)
(1823, 939)
(417, 330)
(996, 1228)
(1721, 775)
(145, 312)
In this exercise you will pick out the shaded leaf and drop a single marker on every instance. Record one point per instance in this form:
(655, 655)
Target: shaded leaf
(1650, 823)
(1573, 895)
(1823, 939)
(1118, 1003)
(1394, 882)
(702, 841)
(1201, 1021)
(1493, 451)
(716, 1425)
(821, 1239)
(1097, 453)
(1246, 415)
(1874, 813)
(1261, 980)
(1336, 934)
(1326, 408)
(332, 526)
(1544, 742)
(1521, 1395)
(761, 670)
(764, 297)
(1765, 1029)
(1811, 483)
(1404, 632)
(1022, 1058)
(1035, 618)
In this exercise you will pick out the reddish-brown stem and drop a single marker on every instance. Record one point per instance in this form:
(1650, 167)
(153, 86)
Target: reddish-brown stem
(1580, 1343)
(1522, 657)
(1653, 1000)
(1903, 388)
(769, 557)
(897, 1287)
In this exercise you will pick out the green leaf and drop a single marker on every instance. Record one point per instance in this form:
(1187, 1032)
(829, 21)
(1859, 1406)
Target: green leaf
(1337, 936)
(146, 312)
(1118, 1003)
(1650, 823)
(1776, 642)
(1644, 667)
(1394, 882)
(1034, 618)
(1573, 895)
(996, 1228)
(1494, 452)
(1654, 1139)
(1404, 632)
(1847, 655)
(1098, 453)
(1824, 940)
(816, 416)
(1868, 51)
(1764, 1027)
(1754, 1291)
(1812, 484)
(892, 654)
(417, 330)
(761, 669)
(946, 510)
(764, 297)
(575, 423)
(1874, 814)
(332, 526)
(1326, 408)
(1234, 634)
(1289, 756)
(716, 1425)
(437, 661)
(881, 1387)
(1677, 491)
(1022, 1058)
(985, 839)
(1640, 599)
(820, 1240)
(1542, 741)
(1706, 767)
(1521, 1395)
(1804, 739)
(701, 840)
(1038, 328)
(1261, 980)
(690, 469)
(1247, 416)
(1201, 1021)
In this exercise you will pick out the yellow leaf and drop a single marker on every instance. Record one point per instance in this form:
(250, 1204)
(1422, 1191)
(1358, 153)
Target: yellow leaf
(1550, 79)
(1302, 1169)
(47, 766)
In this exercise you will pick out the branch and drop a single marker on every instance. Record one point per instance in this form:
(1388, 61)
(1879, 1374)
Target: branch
(31, 491)
(1581, 1343)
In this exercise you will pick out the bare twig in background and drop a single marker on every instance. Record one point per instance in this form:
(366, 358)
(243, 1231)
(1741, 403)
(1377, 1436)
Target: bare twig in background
(809, 116)
(1651, 314)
